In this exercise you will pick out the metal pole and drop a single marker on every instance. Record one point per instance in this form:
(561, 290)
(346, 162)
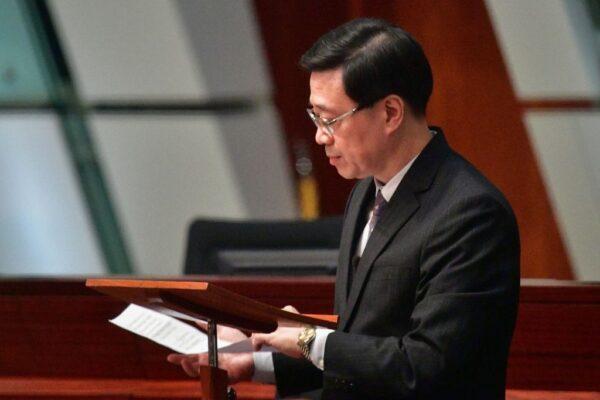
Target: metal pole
(213, 357)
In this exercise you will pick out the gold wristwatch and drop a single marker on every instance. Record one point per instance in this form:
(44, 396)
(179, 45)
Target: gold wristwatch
(305, 339)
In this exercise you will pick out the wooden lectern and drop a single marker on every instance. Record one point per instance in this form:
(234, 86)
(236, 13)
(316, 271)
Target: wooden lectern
(202, 300)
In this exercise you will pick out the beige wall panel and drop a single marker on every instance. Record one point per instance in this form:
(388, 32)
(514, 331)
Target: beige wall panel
(163, 171)
(549, 47)
(566, 145)
(128, 50)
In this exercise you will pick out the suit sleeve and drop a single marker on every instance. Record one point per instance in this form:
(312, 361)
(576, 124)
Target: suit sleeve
(294, 376)
(465, 300)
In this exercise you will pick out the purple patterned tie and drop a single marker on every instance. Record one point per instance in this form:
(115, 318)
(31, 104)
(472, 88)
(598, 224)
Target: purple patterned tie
(378, 208)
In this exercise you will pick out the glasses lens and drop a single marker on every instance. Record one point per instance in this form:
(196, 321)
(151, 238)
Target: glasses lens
(319, 123)
(312, 116)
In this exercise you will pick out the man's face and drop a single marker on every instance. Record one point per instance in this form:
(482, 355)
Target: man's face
(358, 139)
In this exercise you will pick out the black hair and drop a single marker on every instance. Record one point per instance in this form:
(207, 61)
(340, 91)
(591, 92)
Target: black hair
(378, 59)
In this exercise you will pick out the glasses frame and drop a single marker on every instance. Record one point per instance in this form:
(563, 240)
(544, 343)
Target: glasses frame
(327, 124)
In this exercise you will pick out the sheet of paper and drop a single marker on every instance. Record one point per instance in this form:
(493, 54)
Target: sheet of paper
(172, 333)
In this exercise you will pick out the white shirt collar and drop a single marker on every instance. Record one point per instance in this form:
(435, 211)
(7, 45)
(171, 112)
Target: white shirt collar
(390, 187)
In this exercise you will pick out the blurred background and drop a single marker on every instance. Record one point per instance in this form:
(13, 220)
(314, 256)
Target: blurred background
(123, 121)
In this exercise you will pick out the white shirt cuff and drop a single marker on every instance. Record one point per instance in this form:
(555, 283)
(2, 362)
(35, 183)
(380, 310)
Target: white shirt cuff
(264, 369)
(317, 350)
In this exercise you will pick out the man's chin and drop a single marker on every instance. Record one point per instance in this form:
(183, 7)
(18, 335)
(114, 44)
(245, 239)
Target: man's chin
(346, 174)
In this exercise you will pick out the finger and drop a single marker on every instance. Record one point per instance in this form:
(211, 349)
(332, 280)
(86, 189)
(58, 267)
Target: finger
(202, 359)
(176, 358)
(190, 367)
(229, 333)
(292, 309)
(258, 340)
(202, 325)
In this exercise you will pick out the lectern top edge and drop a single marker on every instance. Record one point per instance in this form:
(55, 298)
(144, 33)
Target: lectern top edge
(148, 284)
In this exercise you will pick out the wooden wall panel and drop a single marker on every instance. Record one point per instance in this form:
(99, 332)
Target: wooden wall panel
(83, 356)
(473, 102)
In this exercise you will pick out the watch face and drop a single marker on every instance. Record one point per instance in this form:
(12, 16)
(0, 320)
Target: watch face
(303, 335)
(307, 334)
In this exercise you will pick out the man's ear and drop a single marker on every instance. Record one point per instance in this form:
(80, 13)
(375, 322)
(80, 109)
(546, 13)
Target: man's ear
(395, 109)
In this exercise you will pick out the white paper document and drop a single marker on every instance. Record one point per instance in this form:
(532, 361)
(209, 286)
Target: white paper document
(172, 333)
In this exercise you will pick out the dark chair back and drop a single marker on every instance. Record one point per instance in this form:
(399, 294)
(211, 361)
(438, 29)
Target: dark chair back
(263, 247)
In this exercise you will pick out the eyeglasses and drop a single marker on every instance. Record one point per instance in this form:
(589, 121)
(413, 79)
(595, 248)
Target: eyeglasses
(327, 124)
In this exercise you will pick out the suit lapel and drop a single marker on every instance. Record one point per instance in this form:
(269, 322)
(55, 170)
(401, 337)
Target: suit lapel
(398, 212)
(348, 240)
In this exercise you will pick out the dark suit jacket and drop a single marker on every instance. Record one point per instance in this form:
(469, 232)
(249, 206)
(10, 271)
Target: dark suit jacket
(431, 309)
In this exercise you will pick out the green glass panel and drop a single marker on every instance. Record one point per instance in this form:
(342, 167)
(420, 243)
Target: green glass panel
(33, 72)
(21, 70)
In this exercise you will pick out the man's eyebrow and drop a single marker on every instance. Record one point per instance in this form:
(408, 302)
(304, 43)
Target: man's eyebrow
(319, 106)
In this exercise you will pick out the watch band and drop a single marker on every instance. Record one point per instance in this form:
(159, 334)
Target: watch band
(305, 340)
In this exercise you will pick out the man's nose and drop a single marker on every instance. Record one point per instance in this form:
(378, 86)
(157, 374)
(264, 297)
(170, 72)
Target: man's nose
(322, 138)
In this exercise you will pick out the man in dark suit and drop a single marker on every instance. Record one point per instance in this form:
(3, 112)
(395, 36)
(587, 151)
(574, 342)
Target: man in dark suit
(428, 277)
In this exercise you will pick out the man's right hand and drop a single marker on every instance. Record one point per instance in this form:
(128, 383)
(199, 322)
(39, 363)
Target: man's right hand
(239, 367)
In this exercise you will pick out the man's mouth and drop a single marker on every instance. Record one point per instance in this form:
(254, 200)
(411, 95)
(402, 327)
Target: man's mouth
(333, 159)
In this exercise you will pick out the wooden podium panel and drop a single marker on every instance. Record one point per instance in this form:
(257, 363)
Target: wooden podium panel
(129, 389)
(117, 389)
(555, 345)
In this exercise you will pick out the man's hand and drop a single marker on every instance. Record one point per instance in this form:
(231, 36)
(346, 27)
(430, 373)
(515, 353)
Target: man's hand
(284, 339)
(239, 367)
(226, 333)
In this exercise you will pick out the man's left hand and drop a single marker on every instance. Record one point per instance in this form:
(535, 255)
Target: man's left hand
(284, 338)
